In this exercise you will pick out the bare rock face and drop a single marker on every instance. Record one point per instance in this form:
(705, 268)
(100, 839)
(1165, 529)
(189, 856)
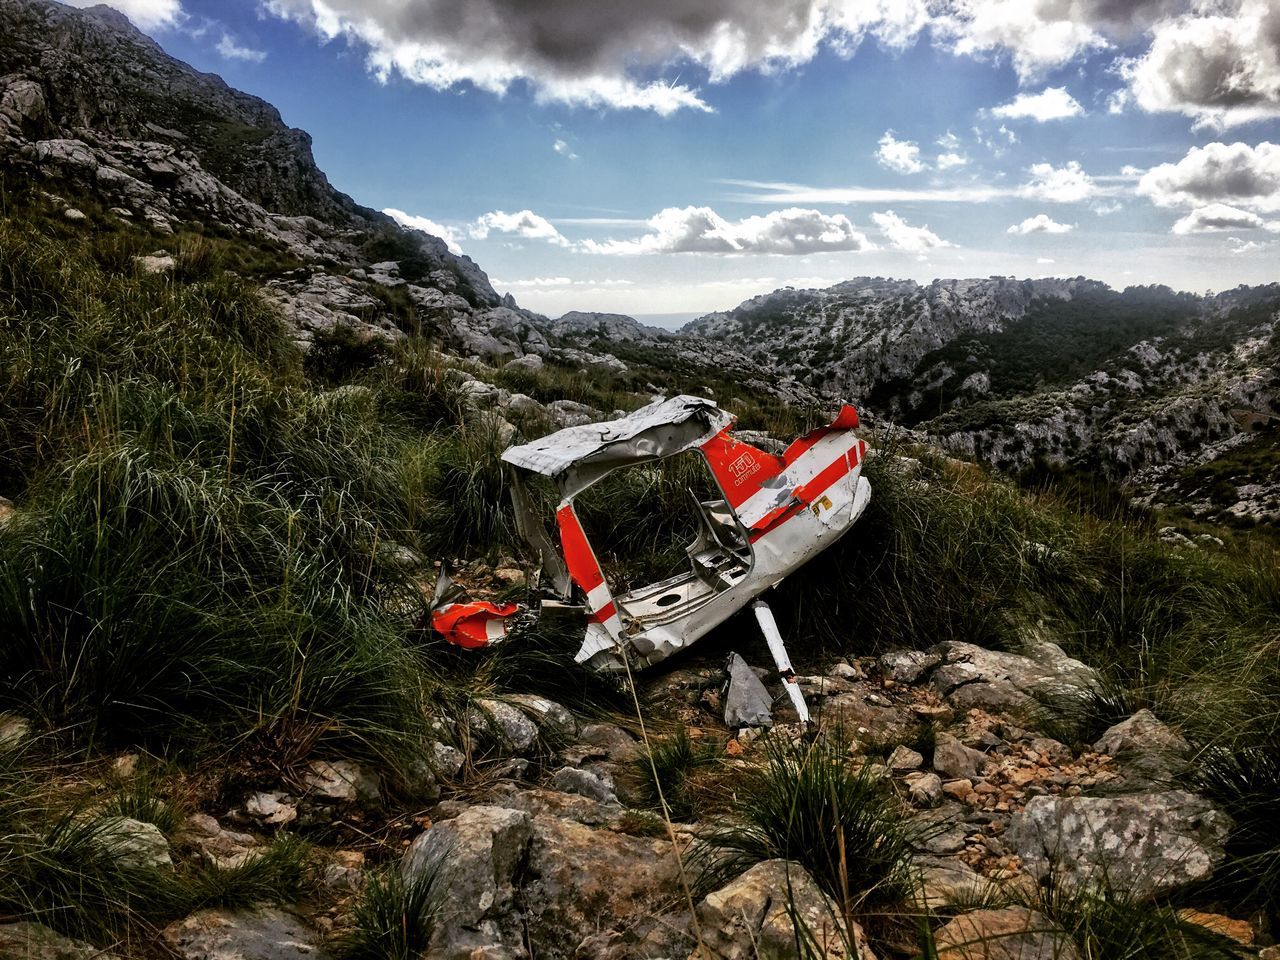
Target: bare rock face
(1146, 844)
(34, 941)
(753, 917)
(266, 933)
(505, 723)
(475, 857)
(1013, 933)
(134, 843)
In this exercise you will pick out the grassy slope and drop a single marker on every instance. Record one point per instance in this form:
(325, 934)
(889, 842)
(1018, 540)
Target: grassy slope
(199, 562)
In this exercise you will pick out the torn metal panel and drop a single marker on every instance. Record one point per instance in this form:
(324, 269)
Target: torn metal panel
(577, 457)
(474, 624)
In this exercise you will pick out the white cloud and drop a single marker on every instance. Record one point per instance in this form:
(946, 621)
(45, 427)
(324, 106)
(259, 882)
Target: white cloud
(702, 230)
(1052, 103)
(145, 14)
(600, 54)
(900, 156)
(1219, 64)
(1219, 217)
(1045, 260)
(796, 193)
(946, 161)
(448, 235)
(902, 236)
(525, 224)
(229, 48)
(948, 141)
(1040, 223)
(1065, 184)
(558, 282)
(1246, 246)
(562, 147)
(1235, 174)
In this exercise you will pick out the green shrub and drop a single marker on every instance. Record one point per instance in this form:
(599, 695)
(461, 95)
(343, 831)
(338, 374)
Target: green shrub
(395, 917)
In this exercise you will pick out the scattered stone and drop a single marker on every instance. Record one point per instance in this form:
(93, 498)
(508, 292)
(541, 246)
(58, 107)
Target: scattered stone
(607, 740)
(949, 882)
(846, 671)
(1143, 844)
(904, 759)
(505, 723)
(158, 262)
(134, 843)
(924, 788)
(587, 783)
(476, 855)
(753, 917)
(1012, 933)
(1241, 931)
(746, 703)
(958, 789)
(971, 676)
(273, 808)
(954, 760)
(341, 781)
(264, 933)
(74, 215)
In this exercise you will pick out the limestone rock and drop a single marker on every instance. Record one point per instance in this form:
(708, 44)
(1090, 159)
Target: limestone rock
(1148, 751)
(904, 759)
(924, 788)
(907, 666)
(265, 933)
(751, 917)
(218, 846)
(587, 783)
(272, 807)
(1146, 844)
(475, 856)
(553, 719)
(971, 676)
(1012, 933)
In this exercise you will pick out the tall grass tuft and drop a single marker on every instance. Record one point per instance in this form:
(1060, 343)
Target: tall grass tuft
(806, 803)
(395, 917)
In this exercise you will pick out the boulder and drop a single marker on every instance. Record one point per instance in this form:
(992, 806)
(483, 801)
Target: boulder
(34, 941)
(579, 881)
(1011, 933)
(904, 759)
(746, 701)
(924, 788)
(971, 676)
(605, 741)
(14, 730)
(531, 363)
(1143, 844)
(475, 857)
(1148, 751)
(950, 882)
(570, 413)
(264, 933)
(907, 666)
(753, 917)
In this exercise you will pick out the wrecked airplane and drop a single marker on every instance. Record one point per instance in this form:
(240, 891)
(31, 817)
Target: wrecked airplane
(774, 513)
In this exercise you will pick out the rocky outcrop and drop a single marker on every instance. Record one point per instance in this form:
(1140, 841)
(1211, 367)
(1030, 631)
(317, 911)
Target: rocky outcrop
(34, 941)
(1144, 845)
(1011, 933)
(265, 933)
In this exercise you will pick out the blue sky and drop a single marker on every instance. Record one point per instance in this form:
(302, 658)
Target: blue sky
(677, 157)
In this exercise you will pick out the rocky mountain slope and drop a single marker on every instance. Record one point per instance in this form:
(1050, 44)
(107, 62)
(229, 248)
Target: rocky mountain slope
(1143, 384)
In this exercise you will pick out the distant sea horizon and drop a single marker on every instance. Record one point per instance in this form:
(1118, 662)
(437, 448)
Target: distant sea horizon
(667, 321)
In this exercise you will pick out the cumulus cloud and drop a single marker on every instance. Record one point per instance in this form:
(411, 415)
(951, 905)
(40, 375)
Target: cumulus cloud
(599, 54)
(702, 230)
(902, 236)
(447, 234)
(1235, 174)
(1219, 64)
(947, 161)
(1040, 223)
(900, 156)
(562, 147)
(1065, 184)
(1219, 217)
(1052, 103)
(1245, 246)
(146, 14)
(230, 49)
(525, 224)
